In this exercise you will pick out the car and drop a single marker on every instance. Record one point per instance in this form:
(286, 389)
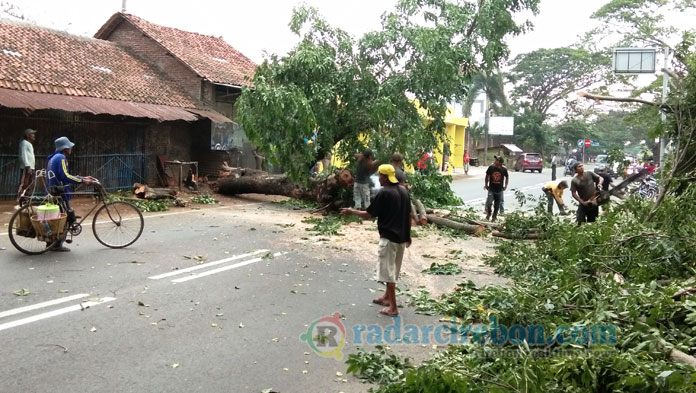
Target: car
(529, 161)
(601, 163)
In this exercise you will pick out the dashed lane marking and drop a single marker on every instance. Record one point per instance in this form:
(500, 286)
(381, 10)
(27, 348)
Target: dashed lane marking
(36, 306)
(222, 269)
(55, 313)
(205, 265)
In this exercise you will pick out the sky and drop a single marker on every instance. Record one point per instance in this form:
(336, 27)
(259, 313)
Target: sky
(257, 26)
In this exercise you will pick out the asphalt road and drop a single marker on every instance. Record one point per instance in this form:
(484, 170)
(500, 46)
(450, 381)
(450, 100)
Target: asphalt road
(470, 188)
(148, 319)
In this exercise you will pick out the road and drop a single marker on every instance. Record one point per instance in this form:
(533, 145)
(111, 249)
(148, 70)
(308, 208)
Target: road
(152, 318)
(470, 188)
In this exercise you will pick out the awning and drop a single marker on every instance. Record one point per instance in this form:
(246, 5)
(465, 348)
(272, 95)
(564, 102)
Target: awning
(101, 106)
(512, 148)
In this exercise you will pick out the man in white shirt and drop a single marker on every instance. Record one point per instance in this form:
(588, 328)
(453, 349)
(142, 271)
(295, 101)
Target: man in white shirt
(26, 161)
(554, 162)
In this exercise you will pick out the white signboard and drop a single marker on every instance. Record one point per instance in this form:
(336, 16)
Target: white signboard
(501, 125)
(634, 61)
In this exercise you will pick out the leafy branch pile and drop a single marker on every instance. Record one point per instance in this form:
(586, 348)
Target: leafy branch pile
(445, 269)
(622, 271)
(329, 225)
(204, 199)
(433, 190)
(378, 367)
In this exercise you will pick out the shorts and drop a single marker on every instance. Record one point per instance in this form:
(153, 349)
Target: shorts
(361, 195)
(390, 256)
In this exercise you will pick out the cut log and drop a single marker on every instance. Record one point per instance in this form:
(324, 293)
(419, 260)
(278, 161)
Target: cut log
(476, 222)
(420, 209)
(470, 229)
(143, 191)
(414, 214)
(680, 357)
(252, 181)
(684, 293)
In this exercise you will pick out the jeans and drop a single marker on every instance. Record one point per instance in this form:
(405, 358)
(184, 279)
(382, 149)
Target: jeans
(587, 214)
(550, 200)
(493, 198)
(361, 195)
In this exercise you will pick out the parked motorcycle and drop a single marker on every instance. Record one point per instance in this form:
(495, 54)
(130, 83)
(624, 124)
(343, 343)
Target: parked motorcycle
(646, 188)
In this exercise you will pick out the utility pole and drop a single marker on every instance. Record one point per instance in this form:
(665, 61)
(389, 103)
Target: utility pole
(487, 117)
(665, 91)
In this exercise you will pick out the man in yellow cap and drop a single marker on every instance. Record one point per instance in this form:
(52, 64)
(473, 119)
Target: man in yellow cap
(392, 207)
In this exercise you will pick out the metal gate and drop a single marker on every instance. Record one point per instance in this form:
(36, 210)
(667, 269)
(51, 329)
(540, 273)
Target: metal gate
(115, 171)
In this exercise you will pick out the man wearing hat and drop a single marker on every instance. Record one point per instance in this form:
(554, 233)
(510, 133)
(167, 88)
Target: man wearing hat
(26, 161)
(392, 207)
(58, 176)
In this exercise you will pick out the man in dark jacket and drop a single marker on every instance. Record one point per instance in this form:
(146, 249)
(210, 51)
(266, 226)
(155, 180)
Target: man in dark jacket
(60, 180)
(392, 207)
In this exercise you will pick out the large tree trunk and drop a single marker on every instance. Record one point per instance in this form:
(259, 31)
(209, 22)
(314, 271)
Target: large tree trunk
(324, 192)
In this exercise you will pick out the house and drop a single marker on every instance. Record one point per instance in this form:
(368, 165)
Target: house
(123, 106)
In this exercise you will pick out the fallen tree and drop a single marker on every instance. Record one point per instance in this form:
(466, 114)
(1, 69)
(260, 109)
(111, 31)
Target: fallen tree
(250, 181)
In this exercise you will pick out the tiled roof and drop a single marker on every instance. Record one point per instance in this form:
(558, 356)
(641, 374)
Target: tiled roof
(210, 57)
(35, 59)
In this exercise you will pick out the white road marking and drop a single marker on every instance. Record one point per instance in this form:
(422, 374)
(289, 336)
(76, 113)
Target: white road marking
(222, 269)
(205, 265)
(508, 193)
(20, 310)
(54, 313)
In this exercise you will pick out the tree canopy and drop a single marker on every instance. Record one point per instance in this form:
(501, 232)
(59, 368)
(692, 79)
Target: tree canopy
(546, 76)
(333, 88)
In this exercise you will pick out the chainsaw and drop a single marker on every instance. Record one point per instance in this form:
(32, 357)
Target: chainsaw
(603, 197)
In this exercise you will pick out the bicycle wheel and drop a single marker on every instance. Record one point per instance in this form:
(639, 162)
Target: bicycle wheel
(22, 234)
(117, 224)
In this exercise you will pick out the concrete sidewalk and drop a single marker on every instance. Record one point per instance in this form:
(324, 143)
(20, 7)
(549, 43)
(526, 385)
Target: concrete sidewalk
(474, 171)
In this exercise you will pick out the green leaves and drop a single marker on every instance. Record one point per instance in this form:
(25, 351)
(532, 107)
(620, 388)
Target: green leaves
(332, 88)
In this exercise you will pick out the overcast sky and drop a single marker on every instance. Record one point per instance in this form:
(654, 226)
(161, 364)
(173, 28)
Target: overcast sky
(255, 26)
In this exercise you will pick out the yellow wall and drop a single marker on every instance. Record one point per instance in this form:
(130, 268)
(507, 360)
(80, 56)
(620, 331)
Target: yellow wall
(455, 128)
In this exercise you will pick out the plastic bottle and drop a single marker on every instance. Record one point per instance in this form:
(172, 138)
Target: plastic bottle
(47, 226)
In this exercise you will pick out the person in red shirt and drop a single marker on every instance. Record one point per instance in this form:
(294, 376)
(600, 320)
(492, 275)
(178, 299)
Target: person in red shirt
(466, 162)
(650, 167)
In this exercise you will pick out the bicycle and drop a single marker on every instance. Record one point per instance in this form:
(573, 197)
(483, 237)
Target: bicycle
(116, 224)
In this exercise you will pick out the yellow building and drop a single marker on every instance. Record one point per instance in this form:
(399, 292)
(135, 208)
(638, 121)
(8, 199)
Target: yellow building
(455, 134)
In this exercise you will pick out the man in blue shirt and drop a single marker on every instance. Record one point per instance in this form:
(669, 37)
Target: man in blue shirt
(58, 175)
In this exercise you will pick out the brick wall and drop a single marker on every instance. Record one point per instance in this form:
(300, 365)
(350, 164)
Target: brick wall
(128, 36)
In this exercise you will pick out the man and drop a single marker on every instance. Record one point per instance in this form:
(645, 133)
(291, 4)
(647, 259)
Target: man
(466, 162)
(58, 176)
(496, 183)
(26, 161)
(584, 186)
(397, 161)
(554, 190)
(363, 169)
(606, 178)
(554, 162)
(445, 156)
(392, 207)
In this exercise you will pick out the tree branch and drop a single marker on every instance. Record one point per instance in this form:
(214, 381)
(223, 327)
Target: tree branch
(596, 97)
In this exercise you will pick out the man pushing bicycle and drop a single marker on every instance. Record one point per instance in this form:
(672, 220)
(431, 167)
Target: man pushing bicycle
(60, 180)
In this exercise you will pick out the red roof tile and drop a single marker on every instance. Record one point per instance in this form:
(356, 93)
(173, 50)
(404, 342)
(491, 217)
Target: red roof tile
(36, 59)
(210, 57)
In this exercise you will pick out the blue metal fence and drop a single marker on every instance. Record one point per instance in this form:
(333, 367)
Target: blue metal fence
(115, 171)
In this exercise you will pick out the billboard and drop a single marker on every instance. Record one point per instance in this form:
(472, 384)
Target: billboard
(501, 125)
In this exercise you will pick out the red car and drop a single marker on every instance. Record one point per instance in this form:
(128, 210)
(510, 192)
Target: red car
(529, 161)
